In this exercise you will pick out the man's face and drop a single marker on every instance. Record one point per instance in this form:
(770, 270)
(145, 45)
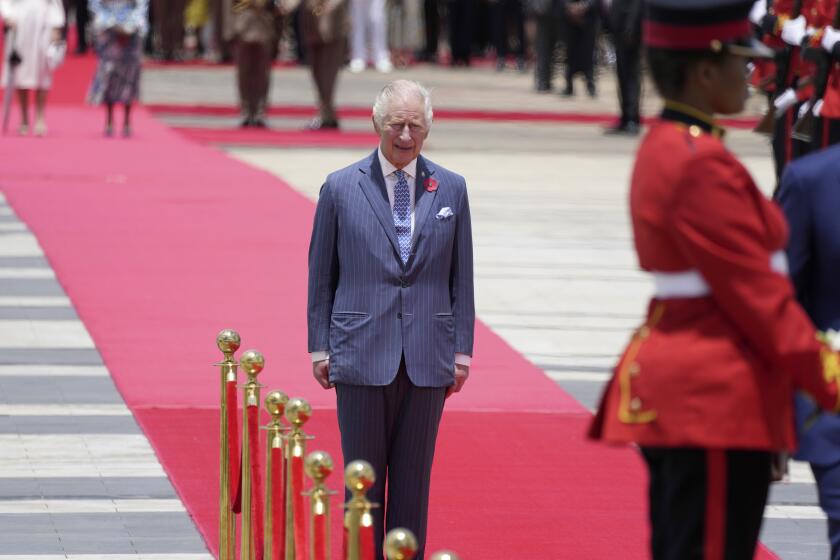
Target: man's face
(403, 131)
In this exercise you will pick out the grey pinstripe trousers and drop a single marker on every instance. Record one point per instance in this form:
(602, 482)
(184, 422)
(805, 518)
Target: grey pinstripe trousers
(394, 428)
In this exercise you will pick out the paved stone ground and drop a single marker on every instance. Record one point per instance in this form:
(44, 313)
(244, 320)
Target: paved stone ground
(78, 479)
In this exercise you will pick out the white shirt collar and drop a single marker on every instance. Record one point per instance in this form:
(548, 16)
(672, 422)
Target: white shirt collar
(388, 168)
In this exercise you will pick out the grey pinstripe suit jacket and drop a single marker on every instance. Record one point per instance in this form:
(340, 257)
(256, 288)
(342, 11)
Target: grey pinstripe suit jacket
(368, 309)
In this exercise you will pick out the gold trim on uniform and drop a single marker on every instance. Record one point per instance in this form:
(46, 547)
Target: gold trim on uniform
(629, 406)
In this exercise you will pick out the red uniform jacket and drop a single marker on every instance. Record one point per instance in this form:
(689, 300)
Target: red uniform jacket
(720, 370)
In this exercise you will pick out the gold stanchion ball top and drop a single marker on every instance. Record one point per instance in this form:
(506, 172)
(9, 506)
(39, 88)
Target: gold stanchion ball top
(319, 465)
(359, 476)
(275, 403)
(298, 412)
(444, 555)
(400, 544)
(228, 341)
(252, 362)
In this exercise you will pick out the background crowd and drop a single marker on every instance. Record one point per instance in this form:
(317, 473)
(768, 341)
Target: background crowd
(545, 35)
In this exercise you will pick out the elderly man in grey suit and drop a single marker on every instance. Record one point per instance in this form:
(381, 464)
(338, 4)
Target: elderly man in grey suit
(391, 310)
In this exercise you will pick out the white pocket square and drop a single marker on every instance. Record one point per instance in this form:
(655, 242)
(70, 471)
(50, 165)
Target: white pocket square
(444, 213)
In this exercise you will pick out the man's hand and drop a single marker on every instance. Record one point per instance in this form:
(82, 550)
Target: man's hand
(794, 31)
(321, 373)
(461, 374)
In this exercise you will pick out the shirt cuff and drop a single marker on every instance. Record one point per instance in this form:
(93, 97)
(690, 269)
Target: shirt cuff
(320, 356)
(462, 359)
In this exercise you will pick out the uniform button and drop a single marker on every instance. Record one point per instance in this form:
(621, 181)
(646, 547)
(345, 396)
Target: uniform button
(399, 315)
(695, 130)
(636, 404)
(634, 369)
(644, 332)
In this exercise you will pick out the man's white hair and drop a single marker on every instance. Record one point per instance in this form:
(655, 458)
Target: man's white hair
(402, 90)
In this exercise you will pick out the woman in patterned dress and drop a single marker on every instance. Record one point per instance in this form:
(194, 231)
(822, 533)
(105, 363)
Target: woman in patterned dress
(119, 27)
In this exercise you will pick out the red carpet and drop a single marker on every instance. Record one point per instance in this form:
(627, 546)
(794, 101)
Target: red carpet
(160, 243)
(440, 114)
(279, 138)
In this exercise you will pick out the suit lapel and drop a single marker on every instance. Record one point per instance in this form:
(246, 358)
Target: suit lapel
(373, 186)
(423, 200)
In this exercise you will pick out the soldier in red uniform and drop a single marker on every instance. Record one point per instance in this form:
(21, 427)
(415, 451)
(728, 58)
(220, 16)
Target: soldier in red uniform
(827, 38)
(705, 386)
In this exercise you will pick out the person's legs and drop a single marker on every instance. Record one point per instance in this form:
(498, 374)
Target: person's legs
(706, 502)
(828, 485)
(245, 70)
(415, 417)
(517, 17)
(81, 25)
(544, 46)
(500, 32)
(431, 19)
(40, 110)
(262, 81)
(127, 120)
(23, 101)
(379, 34)
(109, 119)
(332, 58)
(362, 423)
(359, 10)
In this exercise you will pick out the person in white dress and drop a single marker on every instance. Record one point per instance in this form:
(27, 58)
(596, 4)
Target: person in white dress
(37, 25)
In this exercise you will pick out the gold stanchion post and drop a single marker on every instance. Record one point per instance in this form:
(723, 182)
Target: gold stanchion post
(319, 465)
(298, 412)
(228, 342)
(359, 478)
(275, 403)
(444, 555)
(400, 544)
(252, 362)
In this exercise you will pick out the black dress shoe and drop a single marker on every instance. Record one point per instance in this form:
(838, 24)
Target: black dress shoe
(629, 128)
(259, 123)
(246, 122)
(543, 88)
(500, 65)
(568, 92)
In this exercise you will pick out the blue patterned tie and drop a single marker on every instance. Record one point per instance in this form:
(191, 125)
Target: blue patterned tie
(402, 214)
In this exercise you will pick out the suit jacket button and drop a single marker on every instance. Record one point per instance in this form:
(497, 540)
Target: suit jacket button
(404, 284)
(399, 315)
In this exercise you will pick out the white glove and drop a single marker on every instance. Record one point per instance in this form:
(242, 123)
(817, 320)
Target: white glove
(794, 31)
(784, 102)
(818, 107)
(758, 11)
(803, 110)
(830, 38)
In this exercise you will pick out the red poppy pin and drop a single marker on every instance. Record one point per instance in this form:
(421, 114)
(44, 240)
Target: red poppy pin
(430, 184)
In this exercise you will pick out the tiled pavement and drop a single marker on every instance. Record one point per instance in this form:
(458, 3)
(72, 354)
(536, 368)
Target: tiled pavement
(78, 479)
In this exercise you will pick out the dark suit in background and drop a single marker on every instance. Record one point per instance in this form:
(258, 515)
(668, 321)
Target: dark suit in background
(580, 28)
(625, 22)
(548, 20)
(508, 16)
(461, 18)
(810, 196)
(253, 27)
(82, 17)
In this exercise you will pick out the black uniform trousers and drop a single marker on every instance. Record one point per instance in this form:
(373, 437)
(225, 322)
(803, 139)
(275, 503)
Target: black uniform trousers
(394, 428)
(431, 19)
(628, 67)
(461, 19)
(504, 14)
(545, 44)
(706, 503)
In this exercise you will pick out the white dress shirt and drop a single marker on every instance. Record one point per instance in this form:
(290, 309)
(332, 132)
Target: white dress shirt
(388, 170)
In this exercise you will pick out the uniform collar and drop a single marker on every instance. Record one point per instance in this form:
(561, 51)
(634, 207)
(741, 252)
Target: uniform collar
(689, 116)
(388, 167)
